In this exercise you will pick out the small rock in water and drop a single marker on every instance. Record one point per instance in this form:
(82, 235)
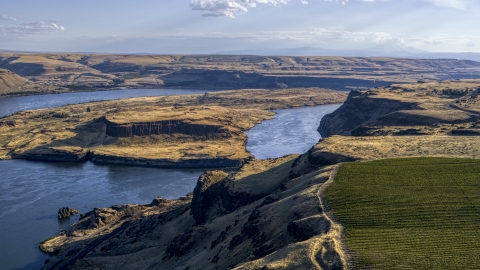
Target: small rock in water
(65, 212)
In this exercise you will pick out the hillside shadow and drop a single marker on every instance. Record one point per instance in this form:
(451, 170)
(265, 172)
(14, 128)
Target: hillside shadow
(87, 135)
(22, 69)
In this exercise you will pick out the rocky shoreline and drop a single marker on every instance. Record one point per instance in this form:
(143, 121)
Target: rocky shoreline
(230, 221)
(56, 155)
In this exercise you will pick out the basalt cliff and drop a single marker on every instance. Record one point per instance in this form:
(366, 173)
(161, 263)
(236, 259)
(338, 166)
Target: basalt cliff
(166, 127)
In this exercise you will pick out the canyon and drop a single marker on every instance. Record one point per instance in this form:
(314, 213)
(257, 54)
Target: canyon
(271, 214)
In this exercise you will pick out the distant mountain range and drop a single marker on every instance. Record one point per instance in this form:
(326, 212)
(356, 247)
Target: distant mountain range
(393, 49)
(389, 49)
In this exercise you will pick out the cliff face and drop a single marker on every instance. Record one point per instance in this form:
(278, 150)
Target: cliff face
(72, 154)
(359, 109)
(218, 78)
(183, 163)
(262, 217)
(167, 127)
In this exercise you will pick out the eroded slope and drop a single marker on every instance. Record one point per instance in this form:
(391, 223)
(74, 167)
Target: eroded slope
(259, 218)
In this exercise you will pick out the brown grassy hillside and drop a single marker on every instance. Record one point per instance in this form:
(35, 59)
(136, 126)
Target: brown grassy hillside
(10, 81)
(99, 71)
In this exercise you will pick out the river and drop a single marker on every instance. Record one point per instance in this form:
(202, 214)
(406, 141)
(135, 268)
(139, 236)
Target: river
(31, 192)
(292, 131)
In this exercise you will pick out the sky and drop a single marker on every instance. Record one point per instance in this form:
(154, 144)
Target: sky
(210, 26)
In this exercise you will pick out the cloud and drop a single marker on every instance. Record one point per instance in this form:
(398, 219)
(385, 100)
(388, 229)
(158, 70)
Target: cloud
(457, 4)
(7, 18)
(31, 28)
(230, 8)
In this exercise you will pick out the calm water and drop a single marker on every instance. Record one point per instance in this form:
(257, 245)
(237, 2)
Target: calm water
(10, 105)
(292, 131)
(32, 192)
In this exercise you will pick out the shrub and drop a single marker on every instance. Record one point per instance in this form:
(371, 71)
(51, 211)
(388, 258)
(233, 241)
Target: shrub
(60, 115)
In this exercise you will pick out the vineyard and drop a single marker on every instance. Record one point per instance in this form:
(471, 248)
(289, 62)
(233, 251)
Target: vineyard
(416, 213)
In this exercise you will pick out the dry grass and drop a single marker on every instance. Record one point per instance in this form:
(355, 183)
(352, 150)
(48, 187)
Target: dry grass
(371, 148)
(318, 251)
(263, 175)
(73, 127)
(11, 82)
(233, 148)
(411, 109)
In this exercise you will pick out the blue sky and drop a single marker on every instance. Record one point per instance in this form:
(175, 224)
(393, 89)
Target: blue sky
(209, 26)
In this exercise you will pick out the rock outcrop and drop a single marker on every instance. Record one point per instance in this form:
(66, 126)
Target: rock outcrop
(360, 109)
(11, 123)
(79, 155)
(466, 132)
(307, 228)
(67, 154)
(205, 194)
(66, 212)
